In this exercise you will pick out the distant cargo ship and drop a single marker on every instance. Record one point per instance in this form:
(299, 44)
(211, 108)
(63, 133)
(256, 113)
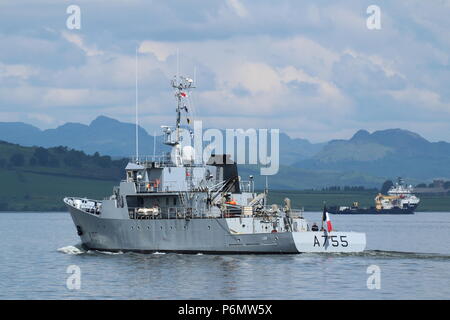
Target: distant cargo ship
(400, 200)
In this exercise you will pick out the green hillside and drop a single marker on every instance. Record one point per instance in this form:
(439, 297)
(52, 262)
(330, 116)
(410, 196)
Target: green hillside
(28, 191)
(36, 179)
(291, 178)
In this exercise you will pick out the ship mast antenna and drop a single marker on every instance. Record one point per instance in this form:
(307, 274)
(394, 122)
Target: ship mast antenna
(154, 145)
(137, 116)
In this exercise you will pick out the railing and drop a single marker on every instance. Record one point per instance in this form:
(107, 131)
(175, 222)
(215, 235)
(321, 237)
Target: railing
(190, 213)
(158, 160)
(164, 160)
(172, 213)
(246, 186)
(148, 187)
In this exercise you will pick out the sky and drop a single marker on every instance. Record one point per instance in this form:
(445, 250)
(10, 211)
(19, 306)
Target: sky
(312, 69)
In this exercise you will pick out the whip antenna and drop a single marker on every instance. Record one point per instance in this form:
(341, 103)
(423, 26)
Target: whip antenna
(137, 116)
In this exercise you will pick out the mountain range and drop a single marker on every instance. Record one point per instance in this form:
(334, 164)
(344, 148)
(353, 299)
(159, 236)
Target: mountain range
(386, 153)
(365, 159)
(104, 135)
(117, 139)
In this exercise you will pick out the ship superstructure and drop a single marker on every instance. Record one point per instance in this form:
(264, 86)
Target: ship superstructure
(399, 200)
(173, 202)
(402, 196)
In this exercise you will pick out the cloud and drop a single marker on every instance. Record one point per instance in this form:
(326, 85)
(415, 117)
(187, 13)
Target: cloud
(16, 71)
(160, 50)
(312, 69)
(78, 41)
(238, 8)
(421, 99)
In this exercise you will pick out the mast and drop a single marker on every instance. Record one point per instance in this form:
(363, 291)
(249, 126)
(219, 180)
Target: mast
(181, 86)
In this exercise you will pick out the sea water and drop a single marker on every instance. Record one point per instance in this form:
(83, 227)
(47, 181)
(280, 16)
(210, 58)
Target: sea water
(410, 255)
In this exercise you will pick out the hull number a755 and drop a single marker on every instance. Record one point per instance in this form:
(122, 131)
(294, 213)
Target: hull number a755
(334, 241)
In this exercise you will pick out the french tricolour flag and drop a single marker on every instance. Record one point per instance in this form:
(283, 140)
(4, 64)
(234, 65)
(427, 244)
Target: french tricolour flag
(326, 218)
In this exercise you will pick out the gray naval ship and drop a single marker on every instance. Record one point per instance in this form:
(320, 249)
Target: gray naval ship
(171, 203)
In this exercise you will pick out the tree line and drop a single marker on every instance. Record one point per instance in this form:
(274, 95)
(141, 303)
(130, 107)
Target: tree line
(57, 157)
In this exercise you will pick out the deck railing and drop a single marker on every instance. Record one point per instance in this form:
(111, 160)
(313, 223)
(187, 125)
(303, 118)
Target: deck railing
(247, 186)
(148, 187)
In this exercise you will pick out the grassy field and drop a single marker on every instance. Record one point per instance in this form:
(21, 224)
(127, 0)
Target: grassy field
(21, 191)
(314, 200)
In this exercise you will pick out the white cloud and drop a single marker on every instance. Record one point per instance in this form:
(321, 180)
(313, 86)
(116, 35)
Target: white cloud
(19, 71)
(160, 50)
(387, 66)
(43, 118)
(422, 99)
(310, 68)
(78, 41)
(238, 8)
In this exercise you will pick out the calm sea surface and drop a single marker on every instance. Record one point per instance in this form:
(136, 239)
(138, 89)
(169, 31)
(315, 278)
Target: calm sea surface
(412, 252)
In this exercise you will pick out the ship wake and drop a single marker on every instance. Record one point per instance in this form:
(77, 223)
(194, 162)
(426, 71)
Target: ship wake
(384, 254)
(73, 250)
(78, 249)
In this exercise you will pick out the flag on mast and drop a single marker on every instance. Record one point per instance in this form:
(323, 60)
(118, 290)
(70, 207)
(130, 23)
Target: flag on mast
(326, 218)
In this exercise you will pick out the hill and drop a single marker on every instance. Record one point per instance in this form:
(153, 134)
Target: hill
(386, 153)
(291, 178)
(36, 179)
(103, 135)
(365, 159)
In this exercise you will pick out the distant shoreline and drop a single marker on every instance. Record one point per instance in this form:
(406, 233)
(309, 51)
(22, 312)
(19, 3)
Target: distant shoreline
(315, 200)
(308, 211)
(308, 199)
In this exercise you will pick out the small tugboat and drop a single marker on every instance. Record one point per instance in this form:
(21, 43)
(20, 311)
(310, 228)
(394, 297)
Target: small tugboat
(171, 203)
(400, 200)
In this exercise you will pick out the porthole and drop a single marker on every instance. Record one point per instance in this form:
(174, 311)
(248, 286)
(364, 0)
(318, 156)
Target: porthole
(209, 227)
(243, 226)
(148, 227)
(161, 227)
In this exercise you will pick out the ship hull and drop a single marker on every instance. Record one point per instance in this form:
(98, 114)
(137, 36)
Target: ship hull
(209, 235)
(359, 211)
